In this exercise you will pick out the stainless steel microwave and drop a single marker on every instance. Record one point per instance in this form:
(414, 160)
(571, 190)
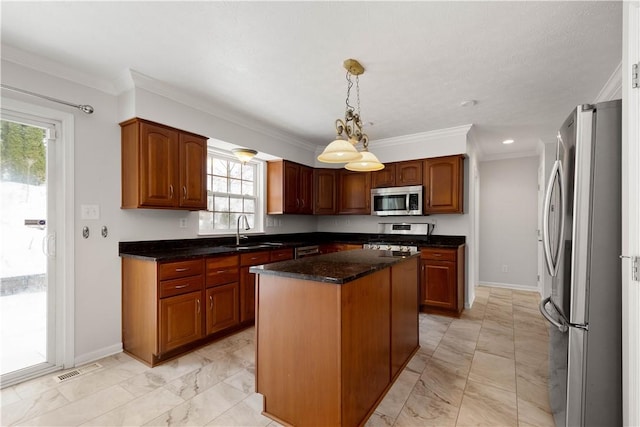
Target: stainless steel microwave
(396, 201)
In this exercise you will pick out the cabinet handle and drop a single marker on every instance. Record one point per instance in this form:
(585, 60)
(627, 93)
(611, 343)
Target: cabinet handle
(181, 286)
(437, 254)
(220, 271)
(302, 204)
(198, 302)
(297, 203)
(171, 191)
(211, 301)
(180, 270)
(184, 192)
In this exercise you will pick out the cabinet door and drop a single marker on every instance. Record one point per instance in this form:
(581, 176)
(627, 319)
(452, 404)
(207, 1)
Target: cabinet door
(305, 190)
(355, 192)
(438, 284)
(158, 166)
(247, 295)
(443, 184)
(180, 320)
(324, 189)
(193, 161)
(222, 307)
(291, 184)
(385, 177)
(409, 173)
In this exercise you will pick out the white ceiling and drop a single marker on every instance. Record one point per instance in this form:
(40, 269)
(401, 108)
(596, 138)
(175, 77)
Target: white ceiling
(526, 63)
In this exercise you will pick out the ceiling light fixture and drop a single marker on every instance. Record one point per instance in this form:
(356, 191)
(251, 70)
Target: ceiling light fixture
(508, 141)
(244, 154)
(344, 150)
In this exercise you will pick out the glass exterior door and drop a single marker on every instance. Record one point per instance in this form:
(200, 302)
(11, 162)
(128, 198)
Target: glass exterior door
(27, 251)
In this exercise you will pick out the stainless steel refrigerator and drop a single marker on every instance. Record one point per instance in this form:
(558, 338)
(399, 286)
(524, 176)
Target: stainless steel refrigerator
(582, 242)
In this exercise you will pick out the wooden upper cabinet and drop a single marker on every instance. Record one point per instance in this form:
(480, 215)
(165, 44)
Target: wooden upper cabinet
(443, 181)
(162, 167)
(193, 161)
(408, 173)
(354, 192)
(289, 188)
(324, 190)
(385, 177)
(158, 165)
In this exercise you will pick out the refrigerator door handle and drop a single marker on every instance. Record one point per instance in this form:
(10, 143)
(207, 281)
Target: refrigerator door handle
(543, 310)
(556, 174)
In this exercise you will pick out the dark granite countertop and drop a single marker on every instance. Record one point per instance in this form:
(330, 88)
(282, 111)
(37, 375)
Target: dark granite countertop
(179, 249)
(337, 268)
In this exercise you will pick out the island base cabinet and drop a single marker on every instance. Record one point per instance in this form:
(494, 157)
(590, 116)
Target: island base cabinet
(324, 351)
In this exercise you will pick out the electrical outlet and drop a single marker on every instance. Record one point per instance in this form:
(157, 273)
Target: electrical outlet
(89, 211)
(505, 268)
(182, 223)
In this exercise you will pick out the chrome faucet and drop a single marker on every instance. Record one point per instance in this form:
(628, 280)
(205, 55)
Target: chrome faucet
(245, 224)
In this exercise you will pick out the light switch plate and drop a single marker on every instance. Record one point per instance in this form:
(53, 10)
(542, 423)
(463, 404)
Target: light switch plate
(89, 211)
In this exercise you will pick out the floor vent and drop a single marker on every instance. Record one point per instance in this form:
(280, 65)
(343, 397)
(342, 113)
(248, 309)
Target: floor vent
(77, 372)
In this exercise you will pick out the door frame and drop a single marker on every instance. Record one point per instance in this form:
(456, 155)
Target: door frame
(65, 217)
(630, 215)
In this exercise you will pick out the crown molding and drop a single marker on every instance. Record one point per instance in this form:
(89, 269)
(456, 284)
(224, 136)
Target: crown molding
(613, 87)
(142, 81)
(56, 69)
(422, 136)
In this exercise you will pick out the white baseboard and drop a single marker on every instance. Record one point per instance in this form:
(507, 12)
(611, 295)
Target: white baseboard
(98, 354)
(510, 286)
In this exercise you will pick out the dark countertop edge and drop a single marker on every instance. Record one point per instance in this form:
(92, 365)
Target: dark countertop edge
(183, 249)
(271, 270)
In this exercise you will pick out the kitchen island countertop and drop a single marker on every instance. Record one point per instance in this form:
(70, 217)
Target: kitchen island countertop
(337, 268)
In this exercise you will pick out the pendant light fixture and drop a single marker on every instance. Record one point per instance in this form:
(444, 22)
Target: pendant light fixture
(244, 154)
(343, 150)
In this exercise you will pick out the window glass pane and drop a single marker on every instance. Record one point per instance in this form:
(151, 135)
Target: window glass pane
(221, 204)
(247, 172)
(235, 169)
(209, 165)
(220, 167)
(219, 184)
(206, 221)
(247, 188)
(231, 191)
(235, 205)
(235, 186)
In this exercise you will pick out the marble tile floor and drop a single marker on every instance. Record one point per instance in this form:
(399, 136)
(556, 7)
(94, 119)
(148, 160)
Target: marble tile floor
(487, 368)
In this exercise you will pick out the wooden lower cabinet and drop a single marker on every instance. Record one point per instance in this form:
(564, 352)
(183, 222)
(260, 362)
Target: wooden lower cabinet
(169, 308)
(222, 307)
(442, 280)
(248, 284)
(180, 320)
(331, 354)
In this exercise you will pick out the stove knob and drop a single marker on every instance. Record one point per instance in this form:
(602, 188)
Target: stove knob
(388, 247)
(404, 249)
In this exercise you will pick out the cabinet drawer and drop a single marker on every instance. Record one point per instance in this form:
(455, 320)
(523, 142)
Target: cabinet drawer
(438, 254)
(221, 270)
(180, 286)
(174, 270)
(281, 255)
(254, 258)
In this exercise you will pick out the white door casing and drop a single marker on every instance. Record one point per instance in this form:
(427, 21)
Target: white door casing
(630, 216)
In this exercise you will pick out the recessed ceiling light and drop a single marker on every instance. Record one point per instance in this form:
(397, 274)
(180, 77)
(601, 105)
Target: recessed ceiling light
(508, 141)
(468, 103)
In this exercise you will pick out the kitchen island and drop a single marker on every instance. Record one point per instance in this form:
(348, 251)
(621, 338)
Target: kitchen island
(333, 332)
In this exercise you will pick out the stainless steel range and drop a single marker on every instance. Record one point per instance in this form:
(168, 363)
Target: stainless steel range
(391, 241)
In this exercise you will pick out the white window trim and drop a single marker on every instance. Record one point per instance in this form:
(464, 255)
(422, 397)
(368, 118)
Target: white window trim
(259, 218)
